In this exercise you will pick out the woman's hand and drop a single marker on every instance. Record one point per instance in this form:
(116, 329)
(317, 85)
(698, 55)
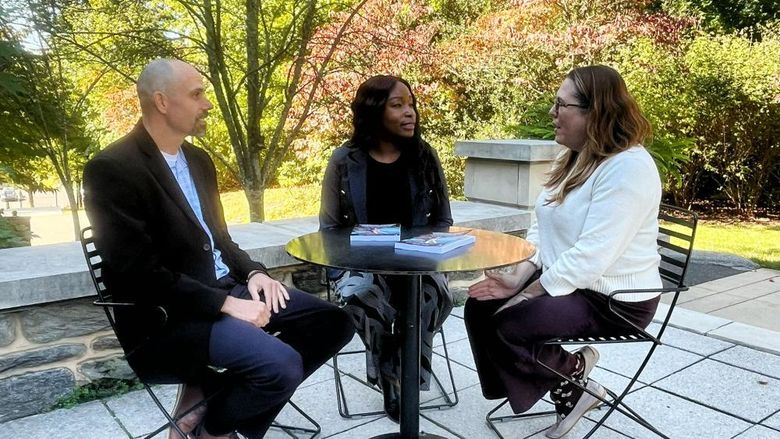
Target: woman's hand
(502, 285)
(516, 278)
(534, 289)
(490, 289)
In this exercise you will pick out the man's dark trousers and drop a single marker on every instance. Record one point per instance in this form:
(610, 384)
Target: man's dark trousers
(270, 362)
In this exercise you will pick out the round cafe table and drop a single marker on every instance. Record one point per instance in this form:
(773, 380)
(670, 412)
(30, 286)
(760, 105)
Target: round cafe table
(332, 249)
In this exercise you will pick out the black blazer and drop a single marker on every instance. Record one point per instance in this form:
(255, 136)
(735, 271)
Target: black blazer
(155, 251)
(343, 199)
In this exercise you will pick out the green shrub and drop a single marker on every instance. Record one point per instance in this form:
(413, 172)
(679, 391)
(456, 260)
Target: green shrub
(715, 100)
(12, 235)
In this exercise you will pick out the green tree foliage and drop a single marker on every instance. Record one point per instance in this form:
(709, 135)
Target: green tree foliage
(42, 112)
(11, 235)
(716, 99)
(282, 75)
(253, 53)
(751, 17)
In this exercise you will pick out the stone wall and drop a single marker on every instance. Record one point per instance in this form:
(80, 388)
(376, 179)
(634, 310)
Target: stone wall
(47, 350)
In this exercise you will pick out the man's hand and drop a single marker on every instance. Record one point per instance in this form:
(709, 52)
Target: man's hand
(275, 293)
(252, 311)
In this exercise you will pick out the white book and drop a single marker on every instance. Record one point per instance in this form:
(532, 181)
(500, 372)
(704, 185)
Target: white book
(375, 233)
(436, 242)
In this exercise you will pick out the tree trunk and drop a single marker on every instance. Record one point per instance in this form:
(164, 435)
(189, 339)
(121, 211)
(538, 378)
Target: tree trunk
(74, 211)
(255, 198)
(31, 198)
(79, 197)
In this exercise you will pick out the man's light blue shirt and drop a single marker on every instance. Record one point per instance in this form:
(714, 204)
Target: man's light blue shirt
(181, 172)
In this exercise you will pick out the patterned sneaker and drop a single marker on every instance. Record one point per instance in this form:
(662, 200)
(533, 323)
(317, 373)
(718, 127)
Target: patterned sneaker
(591, 356)
(584, 404)
(565, 394)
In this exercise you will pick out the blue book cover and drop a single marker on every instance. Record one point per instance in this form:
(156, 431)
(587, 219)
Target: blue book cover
(436, 242)
(375, 233)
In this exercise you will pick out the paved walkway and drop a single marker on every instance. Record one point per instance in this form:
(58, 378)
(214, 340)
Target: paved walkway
(717, 376)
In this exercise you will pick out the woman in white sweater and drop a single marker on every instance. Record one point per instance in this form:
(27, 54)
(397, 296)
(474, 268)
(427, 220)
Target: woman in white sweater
(595, 233)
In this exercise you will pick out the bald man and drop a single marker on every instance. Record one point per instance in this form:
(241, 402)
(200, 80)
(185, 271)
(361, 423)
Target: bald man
(153, 203)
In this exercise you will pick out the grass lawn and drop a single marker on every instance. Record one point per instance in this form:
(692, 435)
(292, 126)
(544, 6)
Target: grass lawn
(280, 203)
(759, 242)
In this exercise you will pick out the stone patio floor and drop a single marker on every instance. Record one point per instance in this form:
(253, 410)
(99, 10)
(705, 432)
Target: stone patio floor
(717, 376)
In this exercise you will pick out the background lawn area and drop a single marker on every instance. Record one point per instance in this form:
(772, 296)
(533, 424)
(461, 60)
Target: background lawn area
(759, 242)
(280, 203)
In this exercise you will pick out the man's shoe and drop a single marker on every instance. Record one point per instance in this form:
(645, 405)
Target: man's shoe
(584, 404)
(391, 391)
(189, 422)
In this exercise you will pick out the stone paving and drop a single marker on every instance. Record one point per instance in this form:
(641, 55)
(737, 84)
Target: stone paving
(752, 297)
(717, 376)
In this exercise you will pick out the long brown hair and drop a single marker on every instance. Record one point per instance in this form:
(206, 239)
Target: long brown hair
(614, 123)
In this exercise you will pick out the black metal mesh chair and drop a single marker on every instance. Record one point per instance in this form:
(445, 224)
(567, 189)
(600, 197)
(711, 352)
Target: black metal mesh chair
(676, 232)
(105, 300)
(341, 396)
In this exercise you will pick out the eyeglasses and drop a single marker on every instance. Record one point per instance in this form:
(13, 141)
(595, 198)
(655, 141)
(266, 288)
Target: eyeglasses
(558, 103)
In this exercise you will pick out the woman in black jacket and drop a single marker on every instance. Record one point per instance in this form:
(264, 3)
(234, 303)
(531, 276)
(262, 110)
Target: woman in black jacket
(386, 174)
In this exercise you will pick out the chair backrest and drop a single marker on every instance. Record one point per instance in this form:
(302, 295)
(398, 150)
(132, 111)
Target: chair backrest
(95, 265)
(676, 232)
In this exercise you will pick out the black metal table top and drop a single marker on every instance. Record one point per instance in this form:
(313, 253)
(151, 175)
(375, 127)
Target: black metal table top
(332, 248)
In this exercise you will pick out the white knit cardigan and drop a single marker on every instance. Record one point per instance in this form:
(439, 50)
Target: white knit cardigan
(602, 237)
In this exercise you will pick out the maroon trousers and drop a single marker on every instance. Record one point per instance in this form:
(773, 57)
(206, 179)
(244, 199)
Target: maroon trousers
(506, 345)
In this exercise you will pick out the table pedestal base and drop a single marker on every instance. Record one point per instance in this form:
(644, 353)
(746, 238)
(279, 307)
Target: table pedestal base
(398, 436)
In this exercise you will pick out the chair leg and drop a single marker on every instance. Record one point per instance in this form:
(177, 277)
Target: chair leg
(171, 420)
(313, 431)
(616, 403)
(449, 402)
(492, 420)
(341, 398)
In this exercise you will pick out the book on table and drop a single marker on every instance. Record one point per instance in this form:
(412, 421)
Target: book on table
(375, 233)
(436, 242)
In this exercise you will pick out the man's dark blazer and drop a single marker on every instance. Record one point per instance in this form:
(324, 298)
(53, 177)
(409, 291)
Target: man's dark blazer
(156, 253)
